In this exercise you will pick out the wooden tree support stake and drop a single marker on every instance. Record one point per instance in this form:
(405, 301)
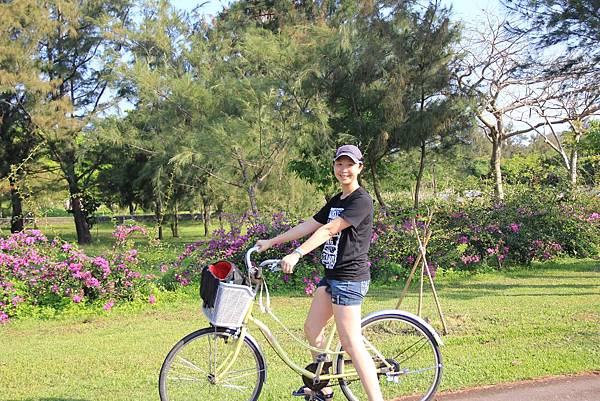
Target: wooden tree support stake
(422, 259)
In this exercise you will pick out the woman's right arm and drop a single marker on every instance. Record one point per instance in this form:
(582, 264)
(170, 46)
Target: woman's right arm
(301, 230)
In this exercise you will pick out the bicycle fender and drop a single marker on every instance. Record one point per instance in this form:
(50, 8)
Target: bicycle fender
(426, 326)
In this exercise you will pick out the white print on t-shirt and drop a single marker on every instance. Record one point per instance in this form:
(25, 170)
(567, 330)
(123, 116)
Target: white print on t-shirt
(330, 249)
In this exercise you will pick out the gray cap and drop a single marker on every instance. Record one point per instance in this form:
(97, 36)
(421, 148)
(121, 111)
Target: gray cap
(351, 151)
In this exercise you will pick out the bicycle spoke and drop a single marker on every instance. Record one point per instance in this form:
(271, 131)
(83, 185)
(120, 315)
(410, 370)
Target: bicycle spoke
(190, 365)
(190, 372)
(406, 357)
(191, 379)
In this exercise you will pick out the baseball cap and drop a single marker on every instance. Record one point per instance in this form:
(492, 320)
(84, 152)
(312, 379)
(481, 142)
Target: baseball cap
(351, 151)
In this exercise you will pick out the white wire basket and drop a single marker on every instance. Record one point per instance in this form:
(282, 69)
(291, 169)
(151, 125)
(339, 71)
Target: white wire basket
(231, 305)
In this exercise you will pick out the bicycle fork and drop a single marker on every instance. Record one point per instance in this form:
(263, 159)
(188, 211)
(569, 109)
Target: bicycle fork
(222, 370)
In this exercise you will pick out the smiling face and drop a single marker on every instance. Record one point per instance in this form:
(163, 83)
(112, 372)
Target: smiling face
(346, 171)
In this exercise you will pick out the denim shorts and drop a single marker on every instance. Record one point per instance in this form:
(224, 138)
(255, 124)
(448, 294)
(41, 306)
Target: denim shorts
(345, 292)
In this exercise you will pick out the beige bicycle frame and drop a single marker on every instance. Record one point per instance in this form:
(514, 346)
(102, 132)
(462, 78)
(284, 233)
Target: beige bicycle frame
(351, 373)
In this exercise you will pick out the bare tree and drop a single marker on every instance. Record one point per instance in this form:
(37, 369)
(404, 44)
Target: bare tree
(497, 72)
(576, 100)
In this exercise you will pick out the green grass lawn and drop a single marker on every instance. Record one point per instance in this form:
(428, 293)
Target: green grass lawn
(504, 326)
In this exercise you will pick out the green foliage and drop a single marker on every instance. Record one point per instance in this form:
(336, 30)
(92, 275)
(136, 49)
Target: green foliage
(474, 234)
(573, 23)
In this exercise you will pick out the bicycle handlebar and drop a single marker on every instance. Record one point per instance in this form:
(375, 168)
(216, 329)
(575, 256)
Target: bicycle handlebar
(256, 271)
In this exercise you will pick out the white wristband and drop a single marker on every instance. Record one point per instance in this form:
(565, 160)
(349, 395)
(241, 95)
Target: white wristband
(298, 251)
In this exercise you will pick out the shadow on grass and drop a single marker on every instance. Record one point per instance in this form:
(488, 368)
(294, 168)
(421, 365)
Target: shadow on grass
(49, 399)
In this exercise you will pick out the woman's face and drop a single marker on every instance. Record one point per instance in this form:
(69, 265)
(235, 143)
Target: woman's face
(346, 171)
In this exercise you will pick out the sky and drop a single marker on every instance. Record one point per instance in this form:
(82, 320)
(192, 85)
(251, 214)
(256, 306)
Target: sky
(462, 9)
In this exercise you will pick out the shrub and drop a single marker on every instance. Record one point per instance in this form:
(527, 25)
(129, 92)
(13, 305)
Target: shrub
(470, 233)
(36, 272)
(232, 245)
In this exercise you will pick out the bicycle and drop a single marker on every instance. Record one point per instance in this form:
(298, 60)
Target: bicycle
(226, 363)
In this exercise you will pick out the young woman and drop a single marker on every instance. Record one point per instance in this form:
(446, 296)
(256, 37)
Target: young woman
(344, 226)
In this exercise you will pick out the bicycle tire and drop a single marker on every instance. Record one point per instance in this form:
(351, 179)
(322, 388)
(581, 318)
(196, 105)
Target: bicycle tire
(413, 350)
(186, 373)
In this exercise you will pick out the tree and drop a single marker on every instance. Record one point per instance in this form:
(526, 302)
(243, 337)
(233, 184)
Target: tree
(439, 115)
(576, 101)
(389, 83)
(496, 72)
(573, 24)
(22, 24)
(254, 101)
(70, 77)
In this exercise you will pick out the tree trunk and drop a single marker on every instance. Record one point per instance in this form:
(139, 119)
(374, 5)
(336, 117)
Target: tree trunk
(495, 166)
(250, 186)
(16, 221)
(175, 223)
(220, 214)
(131, 209)
(205, 214)
(420, 175)
(159, 220)
(84, 236)
(376, 188)
(433, 182)
(573, 162)
(252, 198)
(573, 169)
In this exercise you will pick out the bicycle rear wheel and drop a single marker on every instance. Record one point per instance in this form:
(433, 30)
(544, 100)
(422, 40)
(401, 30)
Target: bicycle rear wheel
(413, 364)
(189, 371)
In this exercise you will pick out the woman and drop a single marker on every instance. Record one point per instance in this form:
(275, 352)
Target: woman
(344, 226)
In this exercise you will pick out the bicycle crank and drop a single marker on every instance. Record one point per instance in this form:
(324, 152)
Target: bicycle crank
(317, 384)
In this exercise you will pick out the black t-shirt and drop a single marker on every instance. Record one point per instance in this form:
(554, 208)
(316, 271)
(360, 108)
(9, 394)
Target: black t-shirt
(345, 255)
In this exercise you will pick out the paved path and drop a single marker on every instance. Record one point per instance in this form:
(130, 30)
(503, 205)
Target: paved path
(584, 387)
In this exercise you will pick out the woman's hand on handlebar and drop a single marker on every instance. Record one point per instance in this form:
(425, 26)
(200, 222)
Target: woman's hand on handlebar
(263, 245)
(288, 262)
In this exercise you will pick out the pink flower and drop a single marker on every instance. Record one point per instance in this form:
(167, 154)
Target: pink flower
(463, 239)
(594, 217)
(514, 227)
(108, 306)
(93, 282)
(77, 298)
(310, 288)
(164, 268)
(152, 299)
(374, 237)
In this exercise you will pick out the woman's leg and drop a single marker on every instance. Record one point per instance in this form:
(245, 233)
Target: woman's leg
(314, 327)
(347, 319)
(319, 314)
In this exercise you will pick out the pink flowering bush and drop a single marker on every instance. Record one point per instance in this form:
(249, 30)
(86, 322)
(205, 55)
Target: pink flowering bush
(36, 272)
(527, 226)
(232, 245)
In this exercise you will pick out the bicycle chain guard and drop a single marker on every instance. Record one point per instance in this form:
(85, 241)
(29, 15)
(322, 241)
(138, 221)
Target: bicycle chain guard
(312, 367)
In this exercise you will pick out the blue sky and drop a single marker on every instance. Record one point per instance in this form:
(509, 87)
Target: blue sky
(463, 9)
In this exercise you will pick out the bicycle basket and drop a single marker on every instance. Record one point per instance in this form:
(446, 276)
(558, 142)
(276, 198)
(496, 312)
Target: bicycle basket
(225, 296)
(231, 305)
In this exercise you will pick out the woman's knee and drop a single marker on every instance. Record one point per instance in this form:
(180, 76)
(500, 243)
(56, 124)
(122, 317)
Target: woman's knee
(350, 343)
(312, 330)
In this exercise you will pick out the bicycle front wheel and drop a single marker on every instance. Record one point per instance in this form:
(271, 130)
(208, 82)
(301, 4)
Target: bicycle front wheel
(196, 368)
(407, 357)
